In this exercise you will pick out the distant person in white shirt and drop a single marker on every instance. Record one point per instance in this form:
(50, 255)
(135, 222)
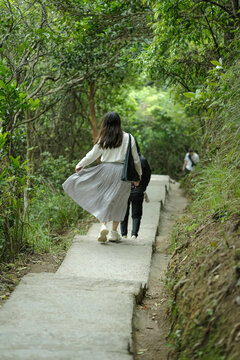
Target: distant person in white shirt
(99, 189)
(191, 159)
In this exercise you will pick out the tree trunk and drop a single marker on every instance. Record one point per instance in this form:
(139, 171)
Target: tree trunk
(93, 118)
(29, 163)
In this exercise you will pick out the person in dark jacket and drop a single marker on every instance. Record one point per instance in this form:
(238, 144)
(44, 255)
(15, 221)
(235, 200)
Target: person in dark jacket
(136, 199)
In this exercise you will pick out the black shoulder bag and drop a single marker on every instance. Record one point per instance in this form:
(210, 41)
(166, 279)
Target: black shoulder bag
(129, 172)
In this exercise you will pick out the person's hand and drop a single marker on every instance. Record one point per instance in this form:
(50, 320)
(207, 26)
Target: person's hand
(78, 169)
(136, 183)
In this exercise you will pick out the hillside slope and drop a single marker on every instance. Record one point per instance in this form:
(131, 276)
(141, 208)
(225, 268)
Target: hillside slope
(204, 272)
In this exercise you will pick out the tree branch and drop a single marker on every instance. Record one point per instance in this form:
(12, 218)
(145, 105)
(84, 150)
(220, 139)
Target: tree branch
(76, 81)
(213, 36)
(32, 64)
(218, 5)
(39, 114)
(71, 82)
(45, 78)
(178, 78)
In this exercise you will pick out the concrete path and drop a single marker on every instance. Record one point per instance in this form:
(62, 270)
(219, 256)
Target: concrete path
(84, 311)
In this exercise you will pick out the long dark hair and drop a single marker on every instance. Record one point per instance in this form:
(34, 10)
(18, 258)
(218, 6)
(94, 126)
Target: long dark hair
(111, 134)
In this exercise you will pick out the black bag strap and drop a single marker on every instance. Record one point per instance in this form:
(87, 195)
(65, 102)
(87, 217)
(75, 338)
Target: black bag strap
(129, 145)
(193, 163)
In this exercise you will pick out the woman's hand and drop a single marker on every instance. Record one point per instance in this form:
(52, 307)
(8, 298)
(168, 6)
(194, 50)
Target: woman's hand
(136, 183)
(78, 169)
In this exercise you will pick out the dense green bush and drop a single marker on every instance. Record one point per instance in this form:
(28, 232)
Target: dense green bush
(33, 207)
(54, 171)
(15, 176)
(13, 212)
(51, 214)
(53, 209)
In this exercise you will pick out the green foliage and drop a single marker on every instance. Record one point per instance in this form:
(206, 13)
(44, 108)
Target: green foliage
(51, 213)
(13, 213)
(55, 50)
(188, 34)
(162, 129)
(54, 171)
(32, 224)
(12, 98)
(216, 192)
(216, 184)
(15, 177)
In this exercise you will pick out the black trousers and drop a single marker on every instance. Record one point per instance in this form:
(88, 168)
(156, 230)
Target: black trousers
(136, 199)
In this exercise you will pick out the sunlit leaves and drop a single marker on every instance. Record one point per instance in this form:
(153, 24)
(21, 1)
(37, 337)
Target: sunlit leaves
(189, 94)
(188, 35)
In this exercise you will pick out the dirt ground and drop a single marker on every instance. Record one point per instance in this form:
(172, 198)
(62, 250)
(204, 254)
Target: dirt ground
(11, 273)
(151, 321)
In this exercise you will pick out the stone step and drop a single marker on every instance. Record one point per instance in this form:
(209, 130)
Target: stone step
(124, 261)
(50, 317)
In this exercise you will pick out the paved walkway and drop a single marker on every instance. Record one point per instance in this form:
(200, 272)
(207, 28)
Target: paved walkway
(84, 311)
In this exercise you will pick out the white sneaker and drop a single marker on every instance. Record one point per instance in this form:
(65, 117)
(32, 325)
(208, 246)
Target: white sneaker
(114, 236)
(102, 237)
(124, 236)
(133, 237)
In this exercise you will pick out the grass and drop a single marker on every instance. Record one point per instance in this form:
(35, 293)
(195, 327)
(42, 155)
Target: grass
(54, 220)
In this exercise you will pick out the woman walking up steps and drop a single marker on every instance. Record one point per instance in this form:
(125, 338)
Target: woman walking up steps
(99, 189)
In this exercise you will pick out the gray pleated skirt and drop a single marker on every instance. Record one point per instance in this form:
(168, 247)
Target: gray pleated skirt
(100, 191)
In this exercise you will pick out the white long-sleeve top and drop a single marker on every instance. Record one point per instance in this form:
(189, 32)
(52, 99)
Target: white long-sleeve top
(112, 155)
